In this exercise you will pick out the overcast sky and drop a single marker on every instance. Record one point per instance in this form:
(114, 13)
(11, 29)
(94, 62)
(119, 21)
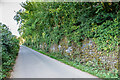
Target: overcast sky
(7, 8)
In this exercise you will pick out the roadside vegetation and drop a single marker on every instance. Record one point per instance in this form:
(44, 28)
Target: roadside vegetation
(9, 49)
(64, 29)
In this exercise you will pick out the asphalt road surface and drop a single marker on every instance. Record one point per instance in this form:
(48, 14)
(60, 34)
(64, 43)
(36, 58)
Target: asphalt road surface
(32, 64)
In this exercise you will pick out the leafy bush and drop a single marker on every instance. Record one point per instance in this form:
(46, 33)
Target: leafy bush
(10, 48)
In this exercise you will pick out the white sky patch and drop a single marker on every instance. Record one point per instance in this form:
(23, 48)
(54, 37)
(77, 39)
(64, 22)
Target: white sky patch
(8, 9)
(0, 11)
(19, 1)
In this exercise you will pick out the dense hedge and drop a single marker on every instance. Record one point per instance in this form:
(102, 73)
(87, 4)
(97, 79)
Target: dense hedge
(48, 24)
(10, 47)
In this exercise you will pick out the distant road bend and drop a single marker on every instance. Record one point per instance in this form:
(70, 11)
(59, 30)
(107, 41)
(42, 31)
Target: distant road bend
(32, 64)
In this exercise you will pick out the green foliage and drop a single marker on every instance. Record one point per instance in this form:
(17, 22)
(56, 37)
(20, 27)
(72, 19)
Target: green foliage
(10, 48)
(48, 23)
(106, 35)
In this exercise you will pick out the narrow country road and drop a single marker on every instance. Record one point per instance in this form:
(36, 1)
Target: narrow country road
(32, 64)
